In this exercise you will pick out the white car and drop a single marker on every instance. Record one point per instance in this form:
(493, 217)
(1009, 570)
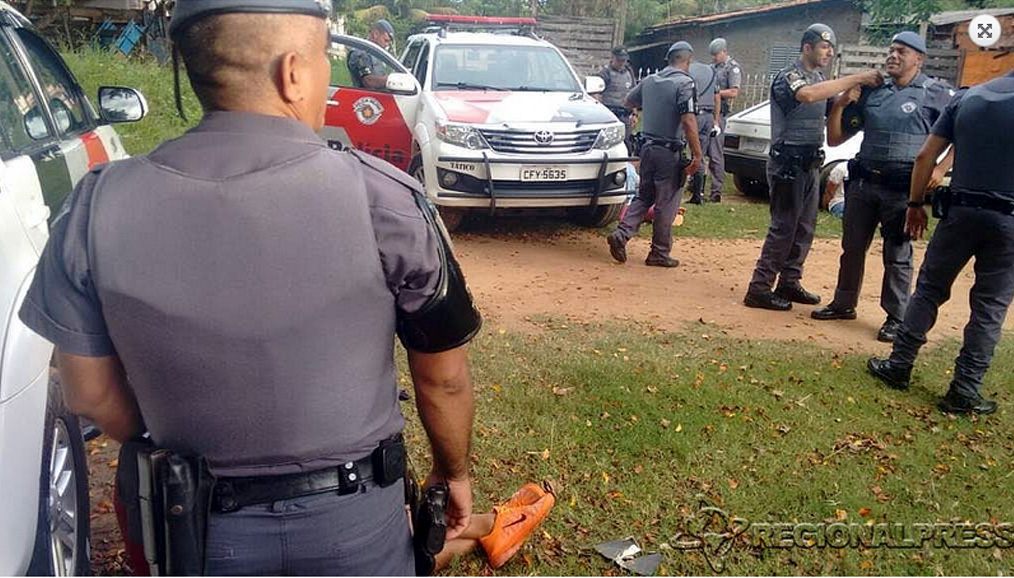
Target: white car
(50, 136)
(486, 121)
(747, 140)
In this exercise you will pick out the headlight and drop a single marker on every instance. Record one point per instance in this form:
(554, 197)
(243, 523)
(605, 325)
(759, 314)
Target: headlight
(461, 135)
(610, 137)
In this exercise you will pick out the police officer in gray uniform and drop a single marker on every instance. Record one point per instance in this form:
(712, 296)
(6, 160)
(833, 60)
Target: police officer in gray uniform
(619, 79)
(236, 293)
(708, 101)
(730, 78)
(367, 71)
(978, 222)
(895, 118)
(669, 104)
(799, 96)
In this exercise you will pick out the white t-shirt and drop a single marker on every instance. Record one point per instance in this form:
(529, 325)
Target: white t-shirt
(839, 174)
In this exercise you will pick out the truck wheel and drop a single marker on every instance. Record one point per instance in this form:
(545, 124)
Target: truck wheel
(749, 186)
(595, 218)
(451, 216)
(63, 527)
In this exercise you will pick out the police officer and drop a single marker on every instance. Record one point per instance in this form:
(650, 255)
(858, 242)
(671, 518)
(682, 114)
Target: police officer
(669, 104)
(706, 80)
(895, 117)
(619, 79)
(799, 96)
(979, 224)
(366, 70)
(235, 293)
(730, 78)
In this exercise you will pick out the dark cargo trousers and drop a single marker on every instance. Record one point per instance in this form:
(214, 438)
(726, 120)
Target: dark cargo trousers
(660, 186)
(794, 205)
(988, 236)
(363, 534)
(867, 205)
(716, 160)
(705, 122)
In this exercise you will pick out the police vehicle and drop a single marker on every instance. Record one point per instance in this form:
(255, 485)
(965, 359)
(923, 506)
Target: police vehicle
(488, 117)
(50, 136)
(747, 140)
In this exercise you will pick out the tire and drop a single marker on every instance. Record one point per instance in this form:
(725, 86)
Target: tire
(64, 525)
(749, 186)
(452, 217)
(595, 218)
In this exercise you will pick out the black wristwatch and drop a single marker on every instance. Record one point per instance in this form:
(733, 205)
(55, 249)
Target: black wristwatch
(915, 204)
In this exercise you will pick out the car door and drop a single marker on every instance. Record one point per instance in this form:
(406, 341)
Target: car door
(377, 121)
(78, 146)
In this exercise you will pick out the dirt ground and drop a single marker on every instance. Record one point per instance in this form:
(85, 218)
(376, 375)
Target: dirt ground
(519, 269)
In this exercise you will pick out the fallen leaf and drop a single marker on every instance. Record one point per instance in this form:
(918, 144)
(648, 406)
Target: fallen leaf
(545, 454)
(638, 469)
(841, 515)
(733, 484)
(866, 565)
(665, 423)
(864, 512)
(679, 427)
(562, 391)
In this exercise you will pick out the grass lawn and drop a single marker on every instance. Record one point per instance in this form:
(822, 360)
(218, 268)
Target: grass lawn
(634, 426)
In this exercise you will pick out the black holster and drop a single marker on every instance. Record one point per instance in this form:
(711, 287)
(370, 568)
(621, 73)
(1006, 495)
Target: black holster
(941, 201)
(429, 525)
(173, 498)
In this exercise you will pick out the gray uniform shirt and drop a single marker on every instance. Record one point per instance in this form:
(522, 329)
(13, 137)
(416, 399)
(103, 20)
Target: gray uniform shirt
(793, 122)
(730, 75)
(362, 64)
(980, 122)
(706, 80)
(664, 97)
(618, 84)
(248, 278)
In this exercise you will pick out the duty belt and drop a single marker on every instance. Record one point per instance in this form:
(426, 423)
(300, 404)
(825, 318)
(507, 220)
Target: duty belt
(673, 145)
(982, 202)
(806, 156)
(384, 466)
(892, 175)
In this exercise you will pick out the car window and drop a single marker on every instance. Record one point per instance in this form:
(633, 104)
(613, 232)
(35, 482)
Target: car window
(412, 54)
(424, 63)
(350, 61)
(521, 68)
(22, 123)
(58, 86)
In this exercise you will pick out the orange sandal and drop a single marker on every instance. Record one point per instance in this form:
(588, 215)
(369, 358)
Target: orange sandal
(515, 521)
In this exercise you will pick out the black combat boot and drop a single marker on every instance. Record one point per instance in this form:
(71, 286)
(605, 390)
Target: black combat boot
(893, 375)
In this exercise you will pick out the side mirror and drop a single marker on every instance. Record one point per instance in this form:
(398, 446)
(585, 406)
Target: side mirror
(594, 85)
(401, 83)
(119, 104)
(35, 126)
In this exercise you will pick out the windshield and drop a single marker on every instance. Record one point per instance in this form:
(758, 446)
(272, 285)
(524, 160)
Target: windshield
(483, 67)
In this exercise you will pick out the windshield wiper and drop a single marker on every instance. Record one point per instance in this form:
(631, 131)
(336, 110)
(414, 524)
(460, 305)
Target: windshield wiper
(470, 86)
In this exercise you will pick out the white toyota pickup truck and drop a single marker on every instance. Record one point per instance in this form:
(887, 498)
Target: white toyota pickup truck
(487, 121)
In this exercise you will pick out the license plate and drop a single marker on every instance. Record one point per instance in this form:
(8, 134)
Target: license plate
(543, 174)
(752, 144)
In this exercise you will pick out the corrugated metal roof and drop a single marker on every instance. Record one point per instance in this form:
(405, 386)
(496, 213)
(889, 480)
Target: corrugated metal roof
(724, 16)
(953, 17)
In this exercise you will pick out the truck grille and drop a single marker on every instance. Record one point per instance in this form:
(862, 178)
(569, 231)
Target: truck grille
(533, 142)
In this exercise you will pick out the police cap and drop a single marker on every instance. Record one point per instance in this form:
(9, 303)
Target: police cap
(384, 25)
(620, 52)
(818, 32)
(678, 46)
(910, 39)
(189, 11)
(717, 45)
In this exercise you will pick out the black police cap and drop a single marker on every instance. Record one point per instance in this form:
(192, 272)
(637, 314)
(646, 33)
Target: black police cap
(189, 11)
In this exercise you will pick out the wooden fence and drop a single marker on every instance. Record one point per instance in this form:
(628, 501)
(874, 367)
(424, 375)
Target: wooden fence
(754, 89)
(586, 42)
(942, 63)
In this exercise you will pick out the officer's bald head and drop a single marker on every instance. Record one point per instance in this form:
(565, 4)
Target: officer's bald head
(246, 61)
